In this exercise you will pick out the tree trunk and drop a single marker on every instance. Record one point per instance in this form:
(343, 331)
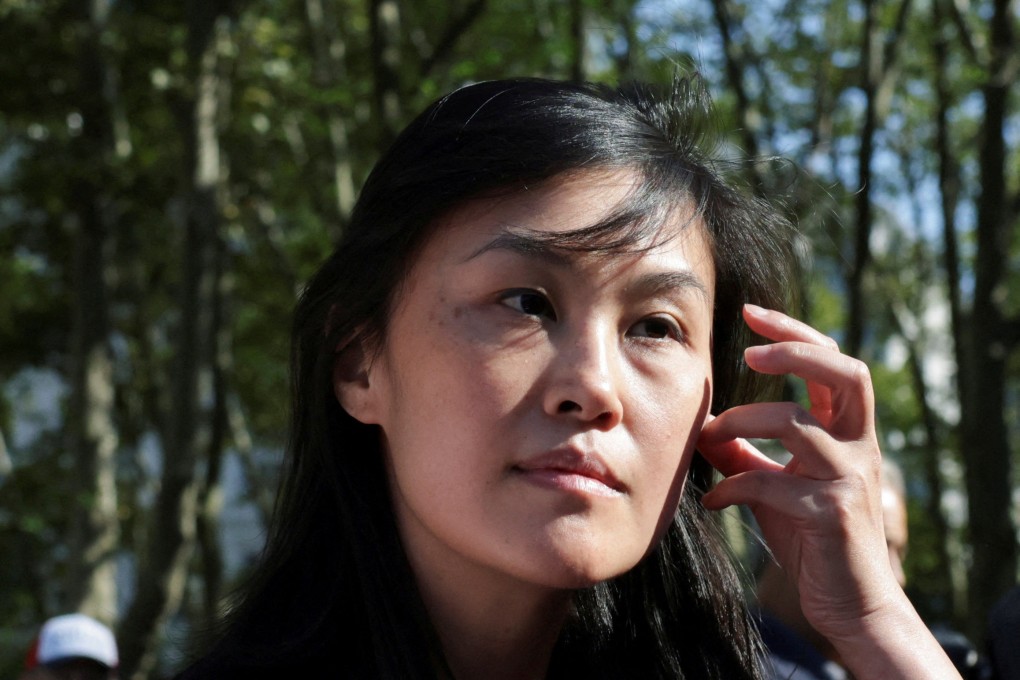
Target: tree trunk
(736, 65)
(932, 474)
(263, 493)
(878, 74)
(384, 19)
(577, 70)
(861, 254)
(949, 183)
(91, 433)
(625, 58)
(985, 438)
(210, 504)
(949, 191)
(329, 50)
(6, 465)
(163, 568)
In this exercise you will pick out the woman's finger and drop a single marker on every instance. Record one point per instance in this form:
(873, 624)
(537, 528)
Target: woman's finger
(732, 455)
(753, 488)
(850, 413)
(815, 453)
(782, 328)
(824, 505)
(818, 526)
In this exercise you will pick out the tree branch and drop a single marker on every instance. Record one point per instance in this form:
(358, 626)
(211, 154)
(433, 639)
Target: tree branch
(6, 466)
(384, 29)
(890, 57)
(966, 35)
(735, 66)
(329, 68)
(454, 30)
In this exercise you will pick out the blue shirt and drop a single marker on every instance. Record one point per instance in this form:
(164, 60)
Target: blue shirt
(790, 657)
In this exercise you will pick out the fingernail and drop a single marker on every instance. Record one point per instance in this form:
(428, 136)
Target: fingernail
(757, 351)
(708, 502)
(754, 310)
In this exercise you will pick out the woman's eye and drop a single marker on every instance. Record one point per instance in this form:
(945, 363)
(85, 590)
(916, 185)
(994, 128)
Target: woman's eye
(657, 328)
(529, 302)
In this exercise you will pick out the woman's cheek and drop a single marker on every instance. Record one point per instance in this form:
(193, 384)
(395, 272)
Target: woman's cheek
(672, 421)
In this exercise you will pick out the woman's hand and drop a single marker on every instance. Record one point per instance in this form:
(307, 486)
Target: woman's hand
(821, 513)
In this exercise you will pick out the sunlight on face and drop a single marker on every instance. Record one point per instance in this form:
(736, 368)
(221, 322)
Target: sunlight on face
(538, 407)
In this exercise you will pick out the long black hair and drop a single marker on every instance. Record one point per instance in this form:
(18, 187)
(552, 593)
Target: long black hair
(334, 589)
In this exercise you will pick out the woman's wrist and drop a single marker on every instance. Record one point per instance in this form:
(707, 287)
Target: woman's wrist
(892, 642)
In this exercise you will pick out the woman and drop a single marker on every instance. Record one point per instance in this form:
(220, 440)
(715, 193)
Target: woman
(500, 376)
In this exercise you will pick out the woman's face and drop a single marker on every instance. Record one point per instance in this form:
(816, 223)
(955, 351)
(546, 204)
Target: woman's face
(538, 407)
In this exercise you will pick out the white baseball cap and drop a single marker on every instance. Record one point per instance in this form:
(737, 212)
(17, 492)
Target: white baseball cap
(74, 636)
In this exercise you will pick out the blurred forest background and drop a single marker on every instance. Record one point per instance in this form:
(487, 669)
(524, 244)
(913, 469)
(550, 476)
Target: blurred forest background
(171, 172)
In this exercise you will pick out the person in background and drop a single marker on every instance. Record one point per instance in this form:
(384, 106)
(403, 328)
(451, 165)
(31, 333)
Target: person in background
(1004, 636)
(72, 647)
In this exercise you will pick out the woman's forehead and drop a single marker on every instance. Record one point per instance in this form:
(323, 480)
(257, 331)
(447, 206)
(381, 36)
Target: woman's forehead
(593, 211)
(568, 225)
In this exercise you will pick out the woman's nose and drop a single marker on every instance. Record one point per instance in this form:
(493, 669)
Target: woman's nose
(585, 379)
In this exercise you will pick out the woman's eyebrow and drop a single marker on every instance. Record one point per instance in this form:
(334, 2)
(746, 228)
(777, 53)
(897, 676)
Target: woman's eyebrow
(523, 244)
(649, 285)
(663, 283)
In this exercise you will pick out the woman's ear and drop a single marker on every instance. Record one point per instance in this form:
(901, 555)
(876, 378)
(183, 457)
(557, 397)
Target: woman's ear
(353, 384)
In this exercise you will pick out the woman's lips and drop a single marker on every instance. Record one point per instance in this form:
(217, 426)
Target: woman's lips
(571, 470)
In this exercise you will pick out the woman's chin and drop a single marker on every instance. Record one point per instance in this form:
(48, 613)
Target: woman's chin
(573, 573)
